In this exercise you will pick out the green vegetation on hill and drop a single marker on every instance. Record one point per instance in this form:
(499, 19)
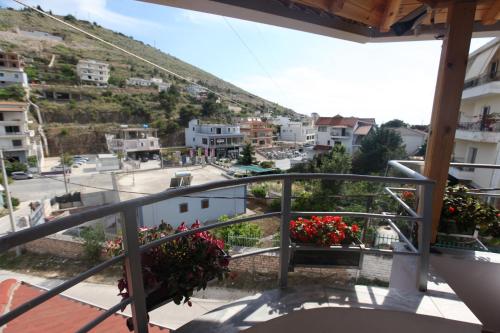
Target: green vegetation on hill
(51, 68)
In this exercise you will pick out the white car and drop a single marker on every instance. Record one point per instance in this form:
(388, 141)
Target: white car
(19, 175)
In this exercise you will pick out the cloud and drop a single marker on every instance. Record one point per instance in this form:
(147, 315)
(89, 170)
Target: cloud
(307, 89)
(94, 10)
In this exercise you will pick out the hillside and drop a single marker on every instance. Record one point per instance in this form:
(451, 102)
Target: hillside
(51, 68)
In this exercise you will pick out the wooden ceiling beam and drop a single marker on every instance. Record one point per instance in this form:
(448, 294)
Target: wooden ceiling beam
(334, 5)
(489, 16)
(390, 14)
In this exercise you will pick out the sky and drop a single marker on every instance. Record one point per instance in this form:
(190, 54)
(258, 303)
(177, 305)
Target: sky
(305, 72)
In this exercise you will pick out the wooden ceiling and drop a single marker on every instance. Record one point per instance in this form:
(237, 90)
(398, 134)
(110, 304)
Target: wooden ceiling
(355, 20)
(381, 14)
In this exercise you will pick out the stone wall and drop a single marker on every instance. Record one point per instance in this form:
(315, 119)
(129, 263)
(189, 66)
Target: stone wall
(57, 245)
(374, 266)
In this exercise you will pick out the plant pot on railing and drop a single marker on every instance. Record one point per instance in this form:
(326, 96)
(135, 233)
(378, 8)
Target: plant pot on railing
(324, 242)
(173, 270)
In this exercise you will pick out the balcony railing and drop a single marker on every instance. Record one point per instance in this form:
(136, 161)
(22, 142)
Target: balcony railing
(480, 126)
(130, 221)
(489, 77)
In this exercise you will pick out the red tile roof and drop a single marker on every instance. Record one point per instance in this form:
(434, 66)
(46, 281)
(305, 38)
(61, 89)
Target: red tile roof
(57, 315)
(342, 121)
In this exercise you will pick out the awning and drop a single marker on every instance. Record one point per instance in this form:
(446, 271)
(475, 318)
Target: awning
(480, 63)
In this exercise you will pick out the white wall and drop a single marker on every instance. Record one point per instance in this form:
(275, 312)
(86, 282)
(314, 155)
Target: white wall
(169, 210)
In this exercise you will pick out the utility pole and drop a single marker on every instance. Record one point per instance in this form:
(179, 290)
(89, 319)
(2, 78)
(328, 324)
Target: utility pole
(9, 200)
(64, 173)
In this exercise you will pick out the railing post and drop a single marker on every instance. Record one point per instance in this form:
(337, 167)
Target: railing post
(134, 270)
(286, 203)
(425, 235)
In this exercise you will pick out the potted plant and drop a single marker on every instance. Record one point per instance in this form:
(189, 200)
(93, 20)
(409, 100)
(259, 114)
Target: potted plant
(463, 213)
(175, 269)
(317, 242)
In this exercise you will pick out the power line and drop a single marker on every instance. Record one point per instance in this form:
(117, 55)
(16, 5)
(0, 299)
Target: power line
(127, 52)
(254, 56)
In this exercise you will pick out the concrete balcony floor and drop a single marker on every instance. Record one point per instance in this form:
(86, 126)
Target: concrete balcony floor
(326, 309)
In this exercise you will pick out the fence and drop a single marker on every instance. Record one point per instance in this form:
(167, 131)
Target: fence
(132, 256)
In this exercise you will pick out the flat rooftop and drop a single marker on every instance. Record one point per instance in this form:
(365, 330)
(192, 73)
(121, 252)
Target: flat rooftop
(154, 181)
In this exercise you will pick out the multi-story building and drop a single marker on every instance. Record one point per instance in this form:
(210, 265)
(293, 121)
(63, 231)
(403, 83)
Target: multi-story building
(93, 71)
(347, 131)
(298, 132)
(134, 142)
(16, 139)
(140, 82)
(477, 139)
(220, 140)
(195, 90)
(11, 70)
(257, 132)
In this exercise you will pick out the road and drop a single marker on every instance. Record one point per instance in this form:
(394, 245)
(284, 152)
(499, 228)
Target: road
(105, 296)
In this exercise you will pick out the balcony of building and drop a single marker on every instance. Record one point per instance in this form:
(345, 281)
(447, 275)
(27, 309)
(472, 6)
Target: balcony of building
(421, 295)
(486, 130)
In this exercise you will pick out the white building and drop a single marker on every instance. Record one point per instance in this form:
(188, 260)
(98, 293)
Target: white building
(298, 132)
(11, 70)
(220, 139)
(195, 90)
(477, 139)
(93, 71)
(134, 142)
(16, 139)
(137, 81)
(347, 131)
(206, 206)
(413, 139)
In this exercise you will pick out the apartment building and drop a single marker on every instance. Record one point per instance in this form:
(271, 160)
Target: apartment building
(300, 132)
(477, 139)
(257, 132)
(347, 131)
(11, 70)
(134, 142)
(140, 82)
(16, 139)
(221, 140)
(93, 71)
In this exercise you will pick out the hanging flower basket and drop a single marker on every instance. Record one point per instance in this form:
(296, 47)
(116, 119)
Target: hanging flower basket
(324, 242)
(175, 269)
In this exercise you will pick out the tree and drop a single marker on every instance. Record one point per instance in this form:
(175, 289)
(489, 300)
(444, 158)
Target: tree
(169, 99)
(187, 113)
(377, 148)
(395, 123)
(338, 161)
(247, 155)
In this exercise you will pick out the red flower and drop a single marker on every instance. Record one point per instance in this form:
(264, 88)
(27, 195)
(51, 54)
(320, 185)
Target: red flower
(354, 228)
(451, 210)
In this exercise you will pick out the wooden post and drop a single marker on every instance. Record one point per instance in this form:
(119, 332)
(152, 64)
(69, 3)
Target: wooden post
(447, 97)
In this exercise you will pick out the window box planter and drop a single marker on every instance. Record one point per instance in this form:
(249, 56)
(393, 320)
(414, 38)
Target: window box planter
(308, 255)
(324, 242)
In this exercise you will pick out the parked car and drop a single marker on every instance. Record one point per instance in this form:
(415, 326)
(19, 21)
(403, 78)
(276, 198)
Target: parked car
(144, 159)
(19, 175)
(81, 158)
(57, 168)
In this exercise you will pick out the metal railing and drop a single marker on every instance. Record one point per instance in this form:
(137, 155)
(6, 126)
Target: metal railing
(480, 126)
(132, 255)
(485, 194)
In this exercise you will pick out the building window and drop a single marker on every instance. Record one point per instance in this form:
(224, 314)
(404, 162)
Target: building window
(16, 76)
(204, 204)
(338, 143)
(322, 129)
(493, 69)
(12, 129)
(1, 74)
(1, 116)
(343, 131)
(328, 142)
(219, 130)
(17, 143)
(204, 141)
(183, 207)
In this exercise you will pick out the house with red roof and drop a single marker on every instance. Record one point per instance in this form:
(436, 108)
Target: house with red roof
(347, 131)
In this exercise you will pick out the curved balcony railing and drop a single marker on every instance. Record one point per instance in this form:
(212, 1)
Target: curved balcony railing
(131, 257)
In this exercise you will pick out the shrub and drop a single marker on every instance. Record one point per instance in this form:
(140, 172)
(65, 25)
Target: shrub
(14, 166)
(12, 92)
(259, 191)
(242, 234)
(32, 161)
(275, 205)
(93, 238)
(15, 201)
(267, 164)
(462, 212)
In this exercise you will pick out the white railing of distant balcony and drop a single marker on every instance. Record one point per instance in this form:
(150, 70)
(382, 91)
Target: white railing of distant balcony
(132, 256)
